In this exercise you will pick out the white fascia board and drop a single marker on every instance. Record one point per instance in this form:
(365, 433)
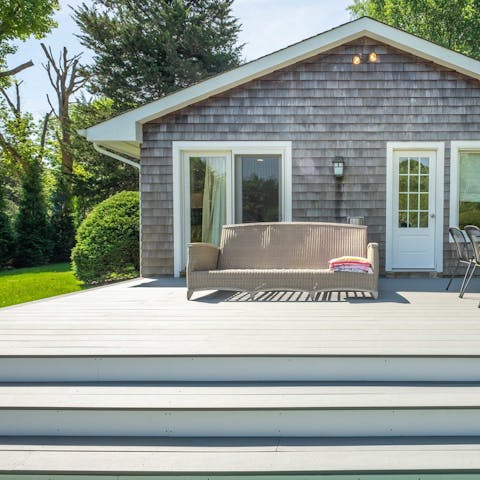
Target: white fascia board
(128, 126)
(422, 48)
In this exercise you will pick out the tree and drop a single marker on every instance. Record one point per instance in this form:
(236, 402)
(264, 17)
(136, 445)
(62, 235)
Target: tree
(6, 231)
(21, 140)
(146, 49)
(95, 176)
(66, 80)
(31, 226)
(20, 20)
(61, 219)
(454, 24)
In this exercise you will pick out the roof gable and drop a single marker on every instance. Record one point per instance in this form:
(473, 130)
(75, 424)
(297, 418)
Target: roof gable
(127, 127)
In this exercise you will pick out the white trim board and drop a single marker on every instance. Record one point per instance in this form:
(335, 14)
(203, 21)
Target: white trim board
(127, 127)
(232, 148)
(439, 147)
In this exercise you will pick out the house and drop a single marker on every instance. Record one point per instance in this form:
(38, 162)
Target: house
(398, 114)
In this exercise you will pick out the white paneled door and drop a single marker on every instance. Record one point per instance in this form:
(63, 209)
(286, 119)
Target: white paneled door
(414, 214)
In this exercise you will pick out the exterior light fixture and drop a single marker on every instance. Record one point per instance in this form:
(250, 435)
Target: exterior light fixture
(372, 58)
(338, 164)
(357, 59)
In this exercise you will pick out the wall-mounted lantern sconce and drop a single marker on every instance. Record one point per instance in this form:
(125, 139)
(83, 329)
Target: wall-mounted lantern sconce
(338, 164)
(357, 59)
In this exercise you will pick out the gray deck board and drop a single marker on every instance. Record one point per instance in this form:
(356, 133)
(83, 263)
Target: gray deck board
(252, 456)
(239, 397)
(413, 317)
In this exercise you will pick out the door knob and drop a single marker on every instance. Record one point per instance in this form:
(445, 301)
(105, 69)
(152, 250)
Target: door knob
(432, 215)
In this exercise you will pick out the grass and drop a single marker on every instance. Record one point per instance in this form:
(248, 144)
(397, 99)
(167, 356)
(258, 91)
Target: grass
(26, 284)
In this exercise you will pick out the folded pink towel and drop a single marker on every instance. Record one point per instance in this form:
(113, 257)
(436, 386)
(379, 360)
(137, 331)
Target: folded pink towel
(350, 264)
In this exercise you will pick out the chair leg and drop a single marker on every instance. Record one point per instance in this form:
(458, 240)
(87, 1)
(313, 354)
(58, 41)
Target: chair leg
(466, 280)
(464, 284)
(453, 274)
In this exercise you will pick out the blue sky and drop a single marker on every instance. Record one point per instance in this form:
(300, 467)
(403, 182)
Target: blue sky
(267, 25)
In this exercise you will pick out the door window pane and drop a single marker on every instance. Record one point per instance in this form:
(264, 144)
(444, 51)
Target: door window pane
(257, 188)
(207, 198)
(469, 189)
(413, 196)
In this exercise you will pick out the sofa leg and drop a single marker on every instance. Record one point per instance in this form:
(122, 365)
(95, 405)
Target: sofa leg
(189, 294)
(374, 295)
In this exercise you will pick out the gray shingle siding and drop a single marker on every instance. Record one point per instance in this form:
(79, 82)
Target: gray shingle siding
(326, 106)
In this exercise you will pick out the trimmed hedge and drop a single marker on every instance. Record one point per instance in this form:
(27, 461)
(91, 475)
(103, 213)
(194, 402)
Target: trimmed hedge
(108, 241)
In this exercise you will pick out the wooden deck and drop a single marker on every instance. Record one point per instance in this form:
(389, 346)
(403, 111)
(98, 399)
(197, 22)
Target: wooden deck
(412, 317)
(225, 386)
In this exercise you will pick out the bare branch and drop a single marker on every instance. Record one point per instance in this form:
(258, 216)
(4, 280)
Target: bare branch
(14, 71)
(51, 106)
(8, 100)
(44, 133)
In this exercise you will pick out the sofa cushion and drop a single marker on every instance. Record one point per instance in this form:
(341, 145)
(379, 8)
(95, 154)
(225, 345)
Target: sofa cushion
(289, 245)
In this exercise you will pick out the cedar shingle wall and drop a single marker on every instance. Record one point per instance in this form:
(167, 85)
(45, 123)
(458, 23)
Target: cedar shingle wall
(326, 107)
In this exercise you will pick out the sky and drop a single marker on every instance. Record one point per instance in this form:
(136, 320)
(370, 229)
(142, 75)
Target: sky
(267, 26)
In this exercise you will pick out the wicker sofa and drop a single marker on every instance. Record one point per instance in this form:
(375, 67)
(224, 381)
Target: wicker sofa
(291, 256)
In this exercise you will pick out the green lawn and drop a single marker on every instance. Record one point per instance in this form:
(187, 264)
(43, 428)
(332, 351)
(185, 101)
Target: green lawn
(25, 284)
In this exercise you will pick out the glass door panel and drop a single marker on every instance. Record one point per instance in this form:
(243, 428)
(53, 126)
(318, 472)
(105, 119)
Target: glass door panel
(207, 198)
(413, 192)
(257, 188)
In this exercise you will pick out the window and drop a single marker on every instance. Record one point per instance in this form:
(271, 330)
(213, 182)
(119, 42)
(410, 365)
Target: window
(465, 184)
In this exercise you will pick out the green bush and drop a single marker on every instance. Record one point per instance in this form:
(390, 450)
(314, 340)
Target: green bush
(107, 245)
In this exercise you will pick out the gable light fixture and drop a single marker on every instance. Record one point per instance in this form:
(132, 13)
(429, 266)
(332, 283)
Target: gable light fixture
(338, 164)
(357, 59)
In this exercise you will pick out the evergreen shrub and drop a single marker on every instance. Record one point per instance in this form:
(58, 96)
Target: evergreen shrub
(107, 241)
(33, 244)
(6, 231)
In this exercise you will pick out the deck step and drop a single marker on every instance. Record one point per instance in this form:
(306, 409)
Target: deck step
(240, 410)
(250, 368)
(214, 458)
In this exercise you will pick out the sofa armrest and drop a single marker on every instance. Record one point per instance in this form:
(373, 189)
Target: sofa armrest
(202, 256)
(373, 257)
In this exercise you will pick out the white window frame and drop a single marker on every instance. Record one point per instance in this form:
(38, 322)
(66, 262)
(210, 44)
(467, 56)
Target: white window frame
(229, 149)
(439, 147)
(455, 148)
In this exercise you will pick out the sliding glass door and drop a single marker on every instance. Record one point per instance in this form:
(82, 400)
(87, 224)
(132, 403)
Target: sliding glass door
(214, 187)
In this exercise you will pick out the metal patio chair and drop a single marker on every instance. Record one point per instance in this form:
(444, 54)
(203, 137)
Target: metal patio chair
(473, 233)
(463, 254)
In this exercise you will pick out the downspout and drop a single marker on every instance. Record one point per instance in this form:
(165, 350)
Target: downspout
(115, 156)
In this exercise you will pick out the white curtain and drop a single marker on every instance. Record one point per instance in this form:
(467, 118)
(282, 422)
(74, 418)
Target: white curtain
(214, 199)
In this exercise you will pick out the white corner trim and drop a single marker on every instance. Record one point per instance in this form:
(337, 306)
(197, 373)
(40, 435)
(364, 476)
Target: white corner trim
(439, 147)
(456, 147)
(179, 148)
(128, 126)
